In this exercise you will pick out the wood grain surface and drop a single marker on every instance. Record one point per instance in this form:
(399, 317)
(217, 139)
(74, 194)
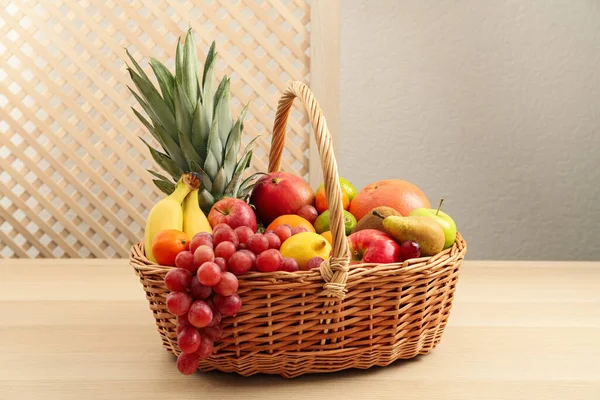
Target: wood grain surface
(74, 329)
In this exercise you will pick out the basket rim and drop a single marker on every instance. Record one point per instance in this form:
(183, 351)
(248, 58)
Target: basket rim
(423, 264)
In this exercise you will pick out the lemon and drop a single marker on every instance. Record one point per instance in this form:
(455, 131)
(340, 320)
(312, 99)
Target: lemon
(346, 186)
(322, 222)
(304, 246)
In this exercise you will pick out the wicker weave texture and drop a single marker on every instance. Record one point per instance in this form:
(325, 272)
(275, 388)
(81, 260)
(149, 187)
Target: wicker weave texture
(391, 312)
(73, 179)
(328, 319)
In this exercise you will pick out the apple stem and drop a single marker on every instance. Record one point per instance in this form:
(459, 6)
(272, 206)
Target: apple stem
(376, 213)
(440, 206)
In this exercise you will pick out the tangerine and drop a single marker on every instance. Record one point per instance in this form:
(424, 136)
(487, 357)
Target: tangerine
(346, 186)
(321, 201)
(292, 220)
(327, 235)
(400, 195)
(167, 244)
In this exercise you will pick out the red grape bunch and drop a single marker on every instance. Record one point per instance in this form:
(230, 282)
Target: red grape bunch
(202, 292)
(204, 283)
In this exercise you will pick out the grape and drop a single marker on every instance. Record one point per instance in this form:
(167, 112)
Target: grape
(308, 212)
(269, 261)
(289, 265)
(201, 239)
(409, 249)
(178, 303)
(205, 349)
(222, 263)
(200, 314)
(314, 262)
(252, 256)
(189, 339)
(205, 235)
(182, 322)
(257, 243)
(187, 364)
(228, 284)
(178, 279)
(214, 333)
(225, 235)
(216, 319)
(203, 254)
(209, 274)
(283, 232)
(198, 290)
(185, 260)
(225, 250)
(228, 305)
(220, 226)
(298, 229)
(211, 304)
(239, 263)
(243, 233)
(274, 241)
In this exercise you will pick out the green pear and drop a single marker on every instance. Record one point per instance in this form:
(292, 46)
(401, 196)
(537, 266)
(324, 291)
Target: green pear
(423, 230)
(444, 220)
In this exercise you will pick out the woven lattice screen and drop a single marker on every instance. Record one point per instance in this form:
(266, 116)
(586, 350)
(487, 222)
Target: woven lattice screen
(72, 169)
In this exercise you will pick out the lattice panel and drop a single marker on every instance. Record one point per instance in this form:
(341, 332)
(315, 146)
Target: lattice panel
(72, 169)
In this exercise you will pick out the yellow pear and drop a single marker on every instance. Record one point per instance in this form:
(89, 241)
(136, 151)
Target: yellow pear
(421, 229)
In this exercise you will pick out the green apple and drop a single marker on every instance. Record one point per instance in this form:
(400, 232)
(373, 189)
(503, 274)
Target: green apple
(448, 225)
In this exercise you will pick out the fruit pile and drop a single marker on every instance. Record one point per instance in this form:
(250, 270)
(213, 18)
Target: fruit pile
(285, 228)
(215, 224)
(233, 240)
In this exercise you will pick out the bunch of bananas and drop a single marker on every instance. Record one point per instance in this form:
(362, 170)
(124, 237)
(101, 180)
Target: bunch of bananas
(180, 211)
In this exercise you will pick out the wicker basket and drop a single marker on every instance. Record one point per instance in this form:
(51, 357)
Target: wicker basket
(327, 319)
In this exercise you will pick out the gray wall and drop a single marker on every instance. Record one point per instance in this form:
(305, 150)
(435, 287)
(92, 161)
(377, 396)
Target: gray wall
(493, 105)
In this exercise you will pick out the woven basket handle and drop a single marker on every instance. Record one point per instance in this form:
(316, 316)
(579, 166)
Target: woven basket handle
(335, 270)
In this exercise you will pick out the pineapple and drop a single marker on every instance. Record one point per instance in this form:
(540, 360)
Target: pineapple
(192, 122)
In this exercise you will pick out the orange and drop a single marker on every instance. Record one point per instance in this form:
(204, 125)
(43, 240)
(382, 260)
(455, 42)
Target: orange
(400, 195)
(328, 237)
(167, 244)
(291, 220)
(321, 201)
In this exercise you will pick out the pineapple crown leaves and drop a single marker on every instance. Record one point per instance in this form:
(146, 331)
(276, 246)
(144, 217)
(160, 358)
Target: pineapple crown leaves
(192, 122)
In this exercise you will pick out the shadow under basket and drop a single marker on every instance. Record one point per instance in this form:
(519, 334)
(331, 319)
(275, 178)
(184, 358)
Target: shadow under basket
(330, 318)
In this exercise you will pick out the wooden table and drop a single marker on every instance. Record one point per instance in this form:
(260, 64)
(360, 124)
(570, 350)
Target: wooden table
(81, 329)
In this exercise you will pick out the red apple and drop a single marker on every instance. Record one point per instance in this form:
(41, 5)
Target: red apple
(280, 193)
(373, 246)
(233, 212)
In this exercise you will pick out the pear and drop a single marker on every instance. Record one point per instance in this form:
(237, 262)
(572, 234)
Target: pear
(421, 229)
(372, 221)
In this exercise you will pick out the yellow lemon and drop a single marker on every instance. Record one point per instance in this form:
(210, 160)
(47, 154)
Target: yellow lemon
(304, 246)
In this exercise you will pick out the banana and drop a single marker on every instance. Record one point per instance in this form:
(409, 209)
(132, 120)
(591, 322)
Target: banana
(168, 213)
(194, 220)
